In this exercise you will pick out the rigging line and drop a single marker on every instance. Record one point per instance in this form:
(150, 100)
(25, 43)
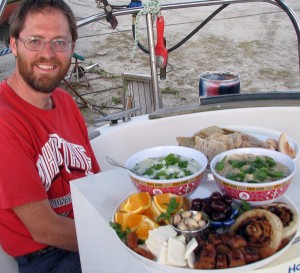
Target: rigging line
(189, 22)
(188, 36)
(198, 28)
(185, 23)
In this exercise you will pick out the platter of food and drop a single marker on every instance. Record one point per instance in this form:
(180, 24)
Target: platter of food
(222, 249)
(214, 140)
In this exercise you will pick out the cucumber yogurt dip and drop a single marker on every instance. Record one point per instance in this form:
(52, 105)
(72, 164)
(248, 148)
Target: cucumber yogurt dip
(167, 167)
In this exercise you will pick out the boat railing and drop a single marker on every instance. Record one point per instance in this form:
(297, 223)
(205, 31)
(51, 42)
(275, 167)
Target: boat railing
(2, 7)
(181, 5)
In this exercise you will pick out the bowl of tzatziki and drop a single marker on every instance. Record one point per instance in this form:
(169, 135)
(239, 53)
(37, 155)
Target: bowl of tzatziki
(167, 169)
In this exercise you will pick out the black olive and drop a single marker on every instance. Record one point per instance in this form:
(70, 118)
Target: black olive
(227, 211)
(218, 206)
(206, 208)
(218, 216)
(196, 207)
(197, 202)
(216, 196)
(227, 199)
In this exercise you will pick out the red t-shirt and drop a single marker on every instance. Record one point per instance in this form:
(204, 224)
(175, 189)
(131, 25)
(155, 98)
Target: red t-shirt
(41, 151)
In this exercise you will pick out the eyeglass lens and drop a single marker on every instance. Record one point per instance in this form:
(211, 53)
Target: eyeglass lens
(36, 43)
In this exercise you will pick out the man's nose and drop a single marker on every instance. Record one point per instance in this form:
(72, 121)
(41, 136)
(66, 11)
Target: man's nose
(48, 49)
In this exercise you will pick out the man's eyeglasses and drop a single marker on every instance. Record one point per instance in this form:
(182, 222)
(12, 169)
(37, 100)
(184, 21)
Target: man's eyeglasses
(37, 44)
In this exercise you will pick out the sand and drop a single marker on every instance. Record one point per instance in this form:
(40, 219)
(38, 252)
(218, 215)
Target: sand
(256, 40)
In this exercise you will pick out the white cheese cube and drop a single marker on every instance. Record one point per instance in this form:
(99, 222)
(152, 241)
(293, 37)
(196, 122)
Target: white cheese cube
(176, 250)
(191, 259)
(181, 238)
(162, 233)
(153, 246)
(162, 257)
(190, 247)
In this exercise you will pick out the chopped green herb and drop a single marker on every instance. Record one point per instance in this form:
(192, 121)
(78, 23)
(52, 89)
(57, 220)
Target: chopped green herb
(183, 164)
(275, 174)
(172, 207)
(245, 206)
(158, 166)
(220, 165)
(148, 172)
(270, 161)
(171, 159)
(250, 169)
(237, 163)
(187, 172)
(118, 229)
(260, 175)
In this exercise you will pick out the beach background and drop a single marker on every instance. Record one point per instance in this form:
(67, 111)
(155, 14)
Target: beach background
(256, 40)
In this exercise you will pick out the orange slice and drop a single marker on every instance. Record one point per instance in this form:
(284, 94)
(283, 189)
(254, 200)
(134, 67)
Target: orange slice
(153, 212)
(137, 203)
(162, 201)
(143, 230)
(129, 220)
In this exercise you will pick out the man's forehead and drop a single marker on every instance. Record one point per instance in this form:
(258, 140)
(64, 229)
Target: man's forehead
(35, 20)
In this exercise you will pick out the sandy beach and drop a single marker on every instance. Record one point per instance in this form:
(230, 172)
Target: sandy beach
(256, 40)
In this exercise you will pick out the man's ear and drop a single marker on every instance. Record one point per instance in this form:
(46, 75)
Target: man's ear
(13, 45)
(73, 48)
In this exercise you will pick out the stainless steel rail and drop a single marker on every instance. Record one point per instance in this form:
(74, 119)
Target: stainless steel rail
(2, 7)
(197, 3)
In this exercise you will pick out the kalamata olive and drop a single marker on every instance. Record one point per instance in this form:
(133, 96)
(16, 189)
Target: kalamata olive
(227, 211)
(206, 208)
(218, 216)
(216, 196)
(197, 204)
(227, 199)
(196, 207)
(218, 206)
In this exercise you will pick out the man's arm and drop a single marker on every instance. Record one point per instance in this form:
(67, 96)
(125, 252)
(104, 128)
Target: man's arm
(46, 226)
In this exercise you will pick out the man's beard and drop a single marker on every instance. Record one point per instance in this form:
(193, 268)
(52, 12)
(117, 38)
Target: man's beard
(43, 84)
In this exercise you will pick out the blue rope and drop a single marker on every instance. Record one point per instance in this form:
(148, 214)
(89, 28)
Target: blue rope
(5, 51)
(135, 3)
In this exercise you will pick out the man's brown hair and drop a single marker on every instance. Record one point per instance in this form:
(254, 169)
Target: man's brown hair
(17, 19)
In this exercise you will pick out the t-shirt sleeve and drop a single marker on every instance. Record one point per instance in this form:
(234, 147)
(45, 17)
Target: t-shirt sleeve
(19, 180)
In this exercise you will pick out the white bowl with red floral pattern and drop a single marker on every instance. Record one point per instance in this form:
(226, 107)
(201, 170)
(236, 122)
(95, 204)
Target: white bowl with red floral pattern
(180, 186)
(254, 193)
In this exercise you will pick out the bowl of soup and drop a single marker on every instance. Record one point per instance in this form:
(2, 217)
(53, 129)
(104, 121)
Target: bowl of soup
(256, 175)
(167, 169)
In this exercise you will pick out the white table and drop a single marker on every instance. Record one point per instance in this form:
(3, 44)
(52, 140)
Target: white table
(95, 199)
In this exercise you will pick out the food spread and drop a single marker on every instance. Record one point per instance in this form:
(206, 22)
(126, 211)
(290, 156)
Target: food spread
(256, 233)
(165, 227)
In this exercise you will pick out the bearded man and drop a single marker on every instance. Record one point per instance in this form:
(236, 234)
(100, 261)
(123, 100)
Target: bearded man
(43, 141)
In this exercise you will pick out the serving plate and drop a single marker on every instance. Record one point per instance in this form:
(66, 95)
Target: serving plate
(202, 192)
(263, 133)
